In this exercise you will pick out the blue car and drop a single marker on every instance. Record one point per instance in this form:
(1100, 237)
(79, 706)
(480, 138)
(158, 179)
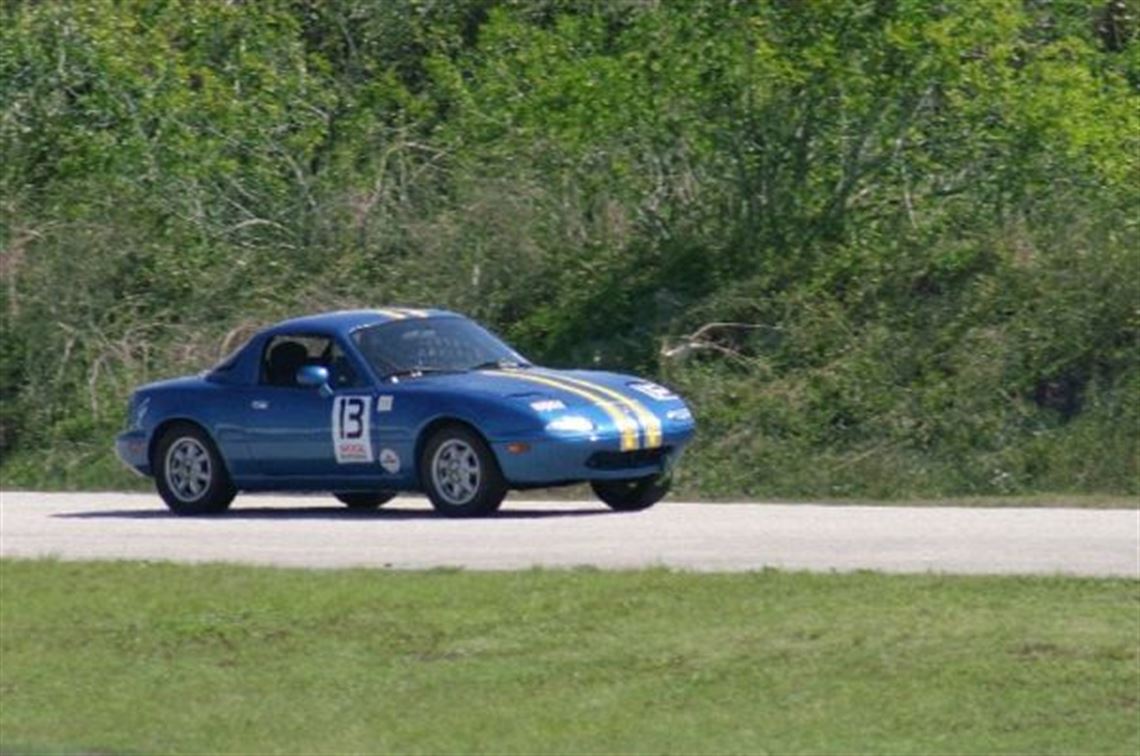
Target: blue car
(367, 403)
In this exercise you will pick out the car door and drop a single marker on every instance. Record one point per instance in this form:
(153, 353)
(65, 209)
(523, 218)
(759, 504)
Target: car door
(302, 434)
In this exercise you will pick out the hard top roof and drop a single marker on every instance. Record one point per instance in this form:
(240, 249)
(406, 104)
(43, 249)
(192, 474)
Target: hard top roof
(343, 321)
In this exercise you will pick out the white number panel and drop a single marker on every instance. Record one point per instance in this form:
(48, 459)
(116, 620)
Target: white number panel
(351, 431)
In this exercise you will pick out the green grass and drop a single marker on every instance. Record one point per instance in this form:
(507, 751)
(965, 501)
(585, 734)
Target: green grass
(145, 657)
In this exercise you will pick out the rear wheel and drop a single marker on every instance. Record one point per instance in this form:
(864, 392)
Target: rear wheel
(371, 500)
(190, 474)
(634, 494)
(460, 475)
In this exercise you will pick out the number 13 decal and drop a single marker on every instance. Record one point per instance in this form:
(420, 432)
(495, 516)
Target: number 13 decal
(352, 439)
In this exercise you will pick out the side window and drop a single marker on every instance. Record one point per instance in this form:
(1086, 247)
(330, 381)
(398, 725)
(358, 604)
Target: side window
(285, 355)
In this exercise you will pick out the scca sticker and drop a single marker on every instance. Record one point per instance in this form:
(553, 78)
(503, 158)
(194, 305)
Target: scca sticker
(390, 460)
(352, 437)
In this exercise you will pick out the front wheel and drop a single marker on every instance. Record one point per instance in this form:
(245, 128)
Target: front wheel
(634, 494)
(365, 501)
(460, 475)
(190, 474)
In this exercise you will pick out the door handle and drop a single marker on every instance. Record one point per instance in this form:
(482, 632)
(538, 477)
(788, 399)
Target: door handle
(259, 404)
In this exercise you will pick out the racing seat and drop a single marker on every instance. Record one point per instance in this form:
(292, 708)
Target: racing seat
(285, 359)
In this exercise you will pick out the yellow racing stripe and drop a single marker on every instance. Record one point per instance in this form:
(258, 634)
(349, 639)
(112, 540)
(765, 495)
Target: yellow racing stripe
(649, 421)
(621, 420)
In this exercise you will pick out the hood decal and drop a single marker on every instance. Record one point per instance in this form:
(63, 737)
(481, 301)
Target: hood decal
(649, 422)
(624, 423)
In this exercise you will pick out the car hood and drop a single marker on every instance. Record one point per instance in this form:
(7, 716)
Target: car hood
(574, 388)
(184, 382)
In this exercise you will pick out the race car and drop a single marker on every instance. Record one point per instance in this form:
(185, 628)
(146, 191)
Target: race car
(368, 403)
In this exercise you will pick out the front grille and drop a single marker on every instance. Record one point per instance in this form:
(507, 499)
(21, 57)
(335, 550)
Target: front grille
(618, 460)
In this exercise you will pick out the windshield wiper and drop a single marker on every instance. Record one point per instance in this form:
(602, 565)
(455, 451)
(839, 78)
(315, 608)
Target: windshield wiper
(418, 371)
(500, 365)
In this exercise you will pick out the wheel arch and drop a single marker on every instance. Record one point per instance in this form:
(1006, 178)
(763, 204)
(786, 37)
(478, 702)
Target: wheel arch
(170, 422)
(443, 421)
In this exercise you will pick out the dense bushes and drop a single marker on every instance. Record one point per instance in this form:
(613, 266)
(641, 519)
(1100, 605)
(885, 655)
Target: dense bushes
(918, 221)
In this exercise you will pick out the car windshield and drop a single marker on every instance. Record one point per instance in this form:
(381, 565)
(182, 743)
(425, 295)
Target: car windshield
(423, 345)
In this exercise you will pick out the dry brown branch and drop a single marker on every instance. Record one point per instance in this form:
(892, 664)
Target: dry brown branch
(12, 259)
(67, 347)
(707, 327)
(237, 336)
(699, 340)
(866, 453)
(92, 383)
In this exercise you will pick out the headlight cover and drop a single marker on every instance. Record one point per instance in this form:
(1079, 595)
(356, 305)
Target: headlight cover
(136, 412)
(571, 424)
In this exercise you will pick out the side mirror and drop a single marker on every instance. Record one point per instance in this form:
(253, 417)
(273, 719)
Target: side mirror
(315, 376)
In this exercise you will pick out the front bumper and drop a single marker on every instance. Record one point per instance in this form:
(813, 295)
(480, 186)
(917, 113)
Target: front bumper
(549, 460)
(131, 448)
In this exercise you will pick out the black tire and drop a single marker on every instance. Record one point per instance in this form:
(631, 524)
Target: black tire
(190, 474)
(460, 474)
(365, 501)
(634, 494)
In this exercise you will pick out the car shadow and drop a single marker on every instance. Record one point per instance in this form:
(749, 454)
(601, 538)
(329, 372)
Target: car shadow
(324, 513)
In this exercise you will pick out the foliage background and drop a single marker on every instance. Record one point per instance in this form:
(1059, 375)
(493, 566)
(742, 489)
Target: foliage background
(922, 218)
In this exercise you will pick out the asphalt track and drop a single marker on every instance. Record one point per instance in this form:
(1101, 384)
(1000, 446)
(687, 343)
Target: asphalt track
(309, 531)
